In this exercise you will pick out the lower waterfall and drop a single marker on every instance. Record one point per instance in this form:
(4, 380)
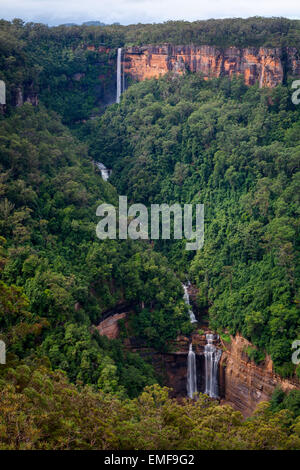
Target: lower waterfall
(191, 374)
(212, 356)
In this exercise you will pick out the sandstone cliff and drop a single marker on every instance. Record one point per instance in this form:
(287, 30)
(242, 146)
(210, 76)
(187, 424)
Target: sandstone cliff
(267, 66)
(243, 383)
(110, 326)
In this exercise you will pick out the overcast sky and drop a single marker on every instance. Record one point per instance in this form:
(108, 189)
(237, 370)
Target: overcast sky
(55, 12)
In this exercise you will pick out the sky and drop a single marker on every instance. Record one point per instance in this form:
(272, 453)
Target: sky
(54, 12)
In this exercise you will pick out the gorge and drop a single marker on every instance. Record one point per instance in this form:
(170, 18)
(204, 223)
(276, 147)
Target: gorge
(213, 367)
(140, 343)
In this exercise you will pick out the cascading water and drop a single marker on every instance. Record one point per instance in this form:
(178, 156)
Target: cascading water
(105, 172)
(119, 75)
(212, 356)
(187, 301)
(191, 374)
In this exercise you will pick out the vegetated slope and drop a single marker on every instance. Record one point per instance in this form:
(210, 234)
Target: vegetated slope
(57, 277)
(172, 140)
(237, 150)
(48, 188)
(55, 65)
(41, 410)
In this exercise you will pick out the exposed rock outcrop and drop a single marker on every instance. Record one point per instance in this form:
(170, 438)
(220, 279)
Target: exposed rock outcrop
(263, 65)
(29, 95)
(245, 384)
(110, 327)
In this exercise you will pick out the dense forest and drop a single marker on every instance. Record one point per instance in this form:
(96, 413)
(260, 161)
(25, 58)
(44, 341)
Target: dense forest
(236, 149)
(42, 410)
(50, 193)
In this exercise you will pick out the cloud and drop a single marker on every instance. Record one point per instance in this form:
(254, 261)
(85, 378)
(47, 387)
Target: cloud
(133, 11)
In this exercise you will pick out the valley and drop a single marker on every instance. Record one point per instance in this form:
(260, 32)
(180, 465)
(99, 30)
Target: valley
(108, 338)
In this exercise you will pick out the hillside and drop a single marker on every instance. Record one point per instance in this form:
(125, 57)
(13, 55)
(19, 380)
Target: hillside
(218, 140)
(235, 149)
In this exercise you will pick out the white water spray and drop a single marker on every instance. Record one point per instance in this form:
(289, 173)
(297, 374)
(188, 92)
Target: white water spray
(119, 75)
(191, 374)
(105, 172)
(212, 356)
(186, 298)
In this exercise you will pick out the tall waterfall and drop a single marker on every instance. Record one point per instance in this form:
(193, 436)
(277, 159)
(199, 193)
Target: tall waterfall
(212, 357)
(119, 75)
(187, 301)
(191, 373)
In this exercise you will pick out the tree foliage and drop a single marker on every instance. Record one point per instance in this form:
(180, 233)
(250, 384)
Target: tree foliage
(181, 139)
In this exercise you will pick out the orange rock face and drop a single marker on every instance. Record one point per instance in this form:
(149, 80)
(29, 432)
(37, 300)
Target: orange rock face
(262, 65)
(244, 383)
(109, 327)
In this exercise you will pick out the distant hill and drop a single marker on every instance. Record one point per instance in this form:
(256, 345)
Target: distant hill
(93, 23)
(86, 23)
(68, 24)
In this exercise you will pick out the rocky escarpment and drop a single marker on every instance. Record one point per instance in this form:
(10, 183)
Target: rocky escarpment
(245, 384)
(267, 66)
(110, 326)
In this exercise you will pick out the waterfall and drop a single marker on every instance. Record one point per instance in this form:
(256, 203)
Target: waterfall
(186, 298)
(191, 373)
(119, 75)
(212, 357)
(105, 172)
